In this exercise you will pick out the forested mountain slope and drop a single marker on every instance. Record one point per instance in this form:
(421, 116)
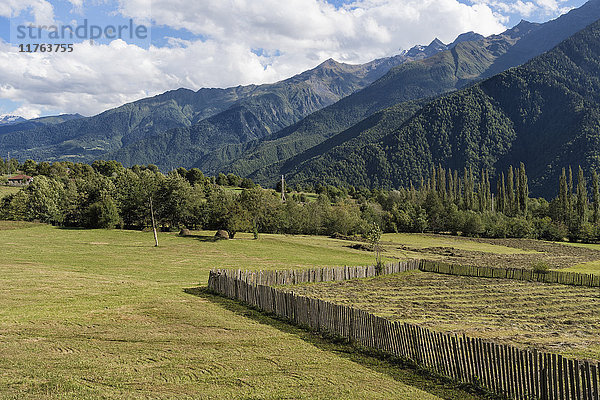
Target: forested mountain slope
(545, 113)
(464, 63)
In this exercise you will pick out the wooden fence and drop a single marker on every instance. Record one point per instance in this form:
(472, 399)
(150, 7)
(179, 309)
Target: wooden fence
(565, 278)
(502, 369)
(291, 277)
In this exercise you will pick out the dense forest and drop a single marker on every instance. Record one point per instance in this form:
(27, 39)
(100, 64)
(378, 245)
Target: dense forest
(107, 195)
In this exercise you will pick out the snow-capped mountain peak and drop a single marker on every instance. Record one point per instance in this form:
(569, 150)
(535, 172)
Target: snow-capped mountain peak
(10, 119)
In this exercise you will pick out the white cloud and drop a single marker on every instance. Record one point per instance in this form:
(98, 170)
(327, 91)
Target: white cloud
(42, 10)
(526, 8)
(301, 32)
(28, 111)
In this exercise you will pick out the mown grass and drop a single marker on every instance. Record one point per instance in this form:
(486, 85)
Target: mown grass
(557, 318)
(425, 240)
(592, 267)
(8, 190)
(103, 314)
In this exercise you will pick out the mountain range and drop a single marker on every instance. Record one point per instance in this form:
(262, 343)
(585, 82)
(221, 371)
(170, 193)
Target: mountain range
(423, 80)
(469, 59)
(212, 117)
(379, 124)
(16, 123)
(545, 113)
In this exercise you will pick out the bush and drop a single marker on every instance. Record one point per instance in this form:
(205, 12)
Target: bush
(549, 230)
(588, 233)
(540, 267)
(473, 225)
(495, 226)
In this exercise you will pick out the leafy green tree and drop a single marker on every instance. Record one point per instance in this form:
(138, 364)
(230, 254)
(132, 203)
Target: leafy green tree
(195, 177)
(473, 225)
(233, 180)
(172, 199)
(260, 206)
(46, 196)
(103, 214)
(344, 218)
(227, 212)
(15, 207)
(523, 190)
(247, 183)
(29, 167)
(108, 168)
(563, 193)
(570, 200)
(373, 235)
(501, 195)
(510, 192)
(222, 180)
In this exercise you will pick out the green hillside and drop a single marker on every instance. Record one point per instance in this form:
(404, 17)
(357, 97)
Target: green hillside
(545, 113)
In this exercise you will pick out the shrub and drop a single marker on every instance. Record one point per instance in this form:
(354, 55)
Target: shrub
(549, 230)
(540, 267)
(588, 233)
(473, 225)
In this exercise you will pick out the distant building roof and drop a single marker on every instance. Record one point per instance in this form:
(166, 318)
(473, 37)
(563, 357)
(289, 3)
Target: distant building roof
(19, 178)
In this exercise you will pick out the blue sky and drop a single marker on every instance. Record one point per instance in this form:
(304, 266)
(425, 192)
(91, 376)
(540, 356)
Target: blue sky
(199, 43)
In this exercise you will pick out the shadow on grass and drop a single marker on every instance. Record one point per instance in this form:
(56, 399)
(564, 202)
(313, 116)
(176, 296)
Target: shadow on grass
(205, 238)
(201, 238)
(400, 370)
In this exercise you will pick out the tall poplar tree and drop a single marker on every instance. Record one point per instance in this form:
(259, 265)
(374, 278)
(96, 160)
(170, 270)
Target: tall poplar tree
(510, 192)
(582, 199)
(596, 197)
(570, 202)
(523, 189)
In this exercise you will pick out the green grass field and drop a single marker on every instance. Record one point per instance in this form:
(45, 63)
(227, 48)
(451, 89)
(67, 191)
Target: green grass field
(591, 267)
(556, 318)
(8, 190)
(92, 314)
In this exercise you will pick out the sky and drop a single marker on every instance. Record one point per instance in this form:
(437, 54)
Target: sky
(223, 43)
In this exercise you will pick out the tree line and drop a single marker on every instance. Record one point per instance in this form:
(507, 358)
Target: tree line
(107, 195)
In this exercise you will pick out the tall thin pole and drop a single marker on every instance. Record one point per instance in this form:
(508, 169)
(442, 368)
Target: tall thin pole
(153, 223)
(282, 189)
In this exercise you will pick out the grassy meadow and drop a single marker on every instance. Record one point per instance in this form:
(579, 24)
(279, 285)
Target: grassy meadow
(90, 314)
(556, 318)
(8, 190)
